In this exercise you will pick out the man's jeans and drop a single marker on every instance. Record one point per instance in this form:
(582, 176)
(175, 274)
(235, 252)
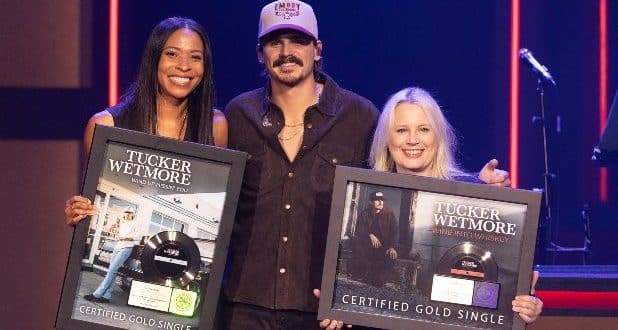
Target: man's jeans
(107, 286)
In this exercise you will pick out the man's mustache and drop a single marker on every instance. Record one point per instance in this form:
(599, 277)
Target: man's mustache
(288, 59)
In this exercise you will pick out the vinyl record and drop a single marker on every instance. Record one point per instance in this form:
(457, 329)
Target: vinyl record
(467, 260)
(170, 258)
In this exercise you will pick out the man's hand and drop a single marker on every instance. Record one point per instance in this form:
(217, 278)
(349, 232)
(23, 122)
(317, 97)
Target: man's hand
(490, 174)
(375, 241)
(326, 323)
(392, 253)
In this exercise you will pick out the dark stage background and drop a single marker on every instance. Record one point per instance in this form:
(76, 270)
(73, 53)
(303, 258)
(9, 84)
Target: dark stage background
(458, 50)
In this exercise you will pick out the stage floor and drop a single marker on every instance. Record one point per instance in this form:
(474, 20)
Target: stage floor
(578, 290)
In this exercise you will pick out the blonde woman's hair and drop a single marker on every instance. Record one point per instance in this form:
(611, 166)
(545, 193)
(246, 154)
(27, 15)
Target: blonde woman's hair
(444, 166)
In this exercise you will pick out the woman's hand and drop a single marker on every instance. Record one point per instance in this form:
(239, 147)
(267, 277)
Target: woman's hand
(77, 208)
(326, 323)
(529, 307)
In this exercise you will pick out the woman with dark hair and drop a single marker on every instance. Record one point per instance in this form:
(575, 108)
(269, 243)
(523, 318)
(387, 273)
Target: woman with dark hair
(173, 96)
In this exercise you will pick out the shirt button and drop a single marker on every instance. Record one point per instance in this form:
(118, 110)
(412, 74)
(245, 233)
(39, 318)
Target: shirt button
(334, 160)
(282, 270)
(309, 125)
(284, 239)
(287, 206)
(290, 174)
(304, 147)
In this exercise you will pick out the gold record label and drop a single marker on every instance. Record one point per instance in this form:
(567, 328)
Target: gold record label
(183, 301)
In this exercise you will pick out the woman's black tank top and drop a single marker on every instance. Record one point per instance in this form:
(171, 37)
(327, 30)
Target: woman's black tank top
(121, 120)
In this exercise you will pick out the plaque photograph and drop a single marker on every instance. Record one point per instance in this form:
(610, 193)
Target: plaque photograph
(405, 251)
(153, 255)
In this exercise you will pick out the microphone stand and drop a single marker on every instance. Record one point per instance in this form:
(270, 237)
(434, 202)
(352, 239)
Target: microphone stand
(547, 175)
(550, 224)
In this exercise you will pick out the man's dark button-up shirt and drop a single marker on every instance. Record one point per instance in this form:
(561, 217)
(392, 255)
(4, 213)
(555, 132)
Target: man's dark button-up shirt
(279, 236)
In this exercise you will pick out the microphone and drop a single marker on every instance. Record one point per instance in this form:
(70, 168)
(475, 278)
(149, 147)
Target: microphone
(527, 56)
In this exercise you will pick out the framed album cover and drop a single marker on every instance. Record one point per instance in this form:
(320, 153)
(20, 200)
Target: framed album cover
(153, 255)
(405, 251)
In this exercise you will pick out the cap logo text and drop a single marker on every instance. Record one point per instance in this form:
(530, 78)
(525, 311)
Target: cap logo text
(287, 9)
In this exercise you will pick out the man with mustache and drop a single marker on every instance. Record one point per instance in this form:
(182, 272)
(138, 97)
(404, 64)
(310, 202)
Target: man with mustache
(375, 239)
(296, 129)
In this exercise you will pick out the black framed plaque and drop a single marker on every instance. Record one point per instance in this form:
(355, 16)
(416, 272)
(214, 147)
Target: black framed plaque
(405, 251)
(153, 256)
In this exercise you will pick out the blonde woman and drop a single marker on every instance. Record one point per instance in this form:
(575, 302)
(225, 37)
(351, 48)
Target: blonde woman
(414, 137)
